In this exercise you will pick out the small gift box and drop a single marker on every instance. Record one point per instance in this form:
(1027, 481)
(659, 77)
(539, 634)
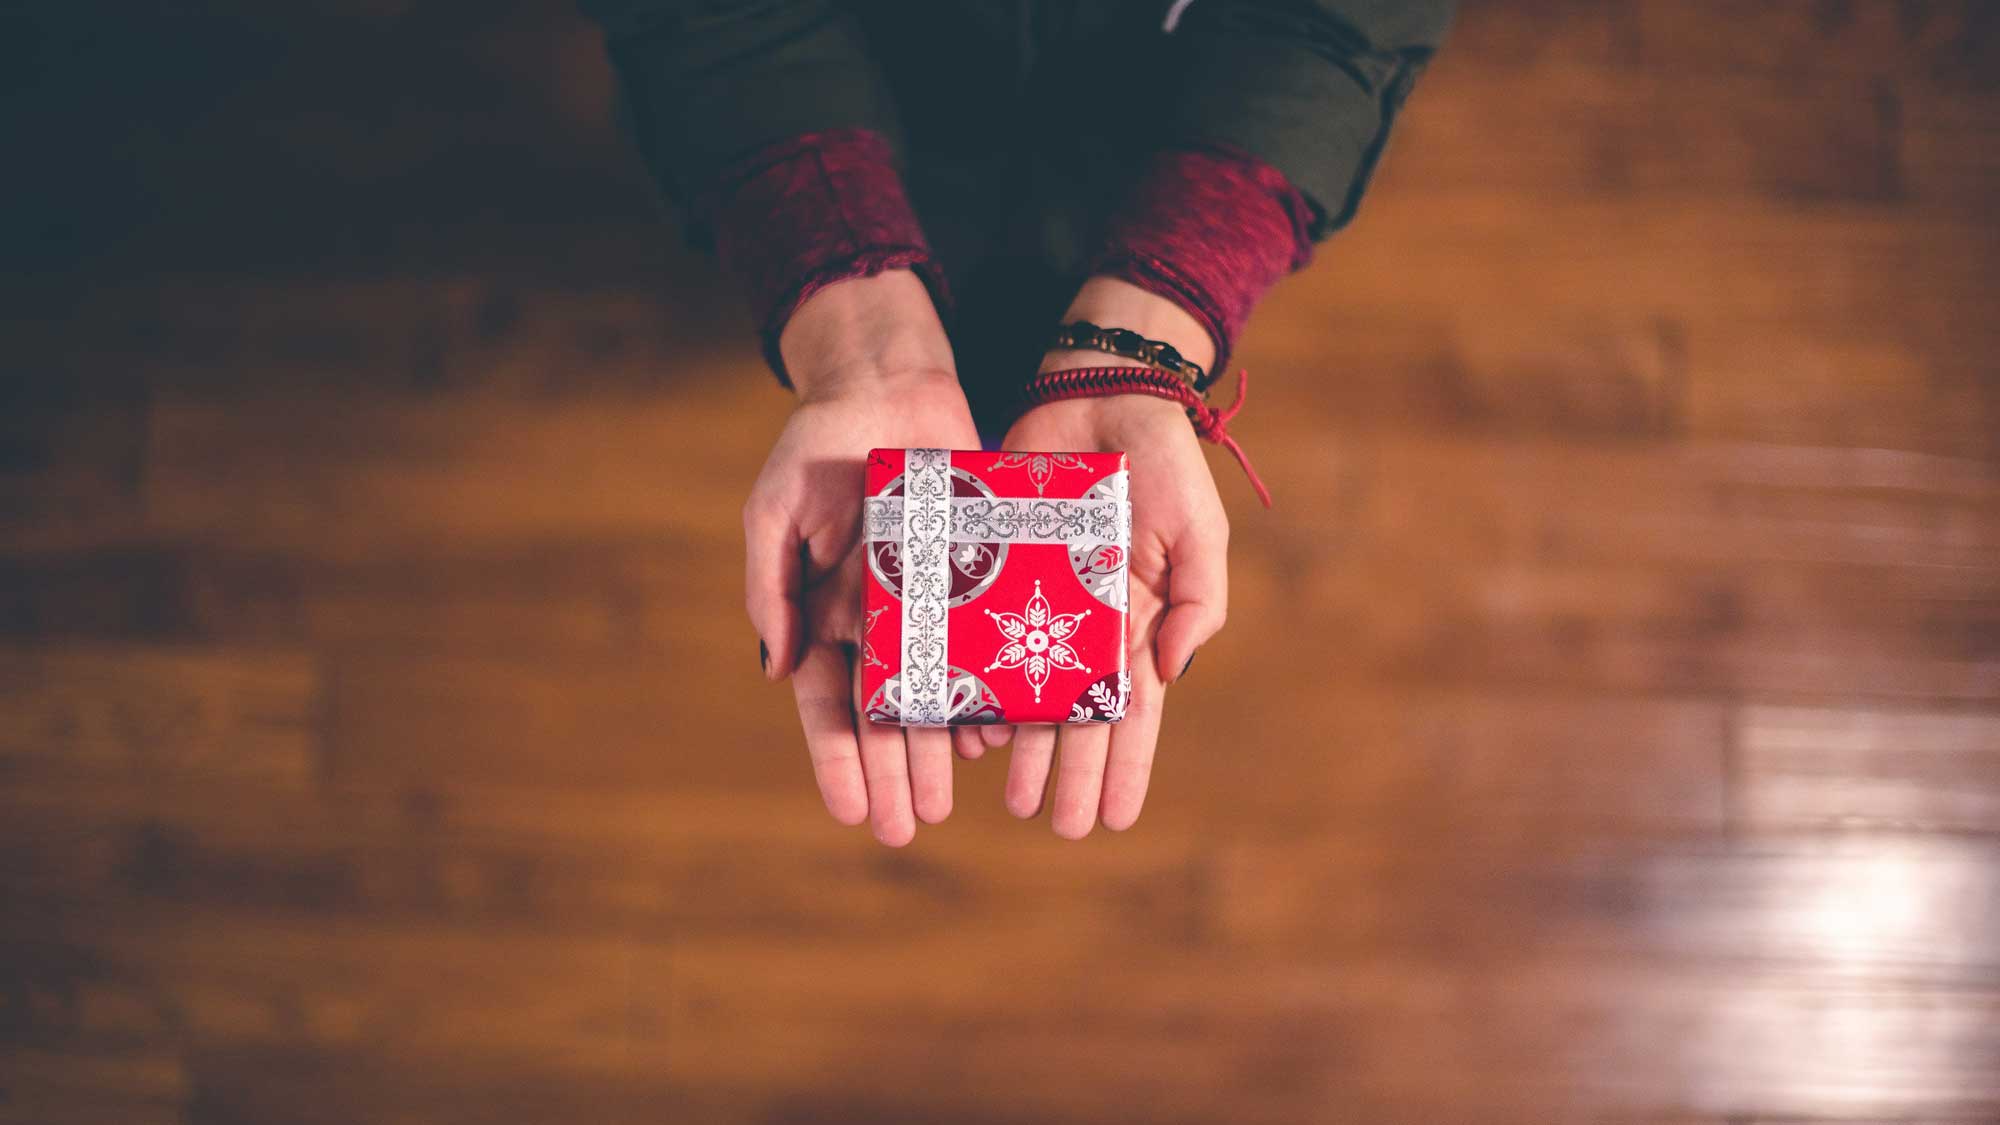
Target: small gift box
(996, 588)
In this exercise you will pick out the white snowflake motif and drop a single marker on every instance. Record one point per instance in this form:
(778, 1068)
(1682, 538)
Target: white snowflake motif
(1037, 640)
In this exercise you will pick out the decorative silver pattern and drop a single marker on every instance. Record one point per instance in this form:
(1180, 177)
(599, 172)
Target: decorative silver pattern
(1100, 562)
(968, 701)
(925, 523)
(978, 519)
(974, 566)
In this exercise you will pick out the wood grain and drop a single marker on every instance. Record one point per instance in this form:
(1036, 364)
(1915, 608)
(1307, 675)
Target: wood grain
(1607, 729)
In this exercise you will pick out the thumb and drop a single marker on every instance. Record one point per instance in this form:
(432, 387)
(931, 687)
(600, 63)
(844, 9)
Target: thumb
(1197, 596)
(772, 575)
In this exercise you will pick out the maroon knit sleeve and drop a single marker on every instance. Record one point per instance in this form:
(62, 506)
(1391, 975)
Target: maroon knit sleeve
(1210, 229)
(799, 215)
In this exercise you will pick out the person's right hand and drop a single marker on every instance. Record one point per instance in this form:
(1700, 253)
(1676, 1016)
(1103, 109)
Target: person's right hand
(873, 368)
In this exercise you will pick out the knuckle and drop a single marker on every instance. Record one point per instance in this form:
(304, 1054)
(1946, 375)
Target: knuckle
(821, 712)
(883, 775)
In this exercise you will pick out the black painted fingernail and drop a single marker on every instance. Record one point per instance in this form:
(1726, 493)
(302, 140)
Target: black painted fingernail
(1189, 664)
(763, 656)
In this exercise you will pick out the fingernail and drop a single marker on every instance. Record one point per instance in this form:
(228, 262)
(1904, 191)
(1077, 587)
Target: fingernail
(1189, 664)
(763, 656)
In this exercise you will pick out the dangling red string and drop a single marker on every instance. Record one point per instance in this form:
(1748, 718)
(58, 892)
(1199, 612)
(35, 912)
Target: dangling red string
(1210, 424)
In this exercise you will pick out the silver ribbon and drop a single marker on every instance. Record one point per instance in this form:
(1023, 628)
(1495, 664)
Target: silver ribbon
(980, 519)
(926, 541)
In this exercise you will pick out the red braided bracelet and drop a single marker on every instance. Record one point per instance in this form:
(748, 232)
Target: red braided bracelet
(1210, 424)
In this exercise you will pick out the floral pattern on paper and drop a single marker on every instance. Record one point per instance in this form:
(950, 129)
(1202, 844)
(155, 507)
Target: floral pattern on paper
(1040, 466)
(1103, 701)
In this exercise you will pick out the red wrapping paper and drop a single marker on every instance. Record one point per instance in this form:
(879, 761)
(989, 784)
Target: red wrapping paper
(996, 589)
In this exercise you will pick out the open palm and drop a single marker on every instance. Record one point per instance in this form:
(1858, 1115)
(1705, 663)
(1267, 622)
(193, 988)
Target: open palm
(1179, 598)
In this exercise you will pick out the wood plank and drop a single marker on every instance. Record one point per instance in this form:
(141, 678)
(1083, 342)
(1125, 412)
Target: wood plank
(1524, 373)
(112, 1087)
(1946, 41)
(957, 1020)
(1716, 569)
(1513, 766)
(1843, 766)
(424, 332)
(1949, 141)
(1535, 33)
(603, 720)
(360, 467)
(663, 863)
(1564, 130)
(1908, 908)
(1369, 1031)
(1434, 252)
(70, 461)
(155, 713)
(579, 1001)
(340, 1087)
(512, 599)
(1811, 385)
(105, 583)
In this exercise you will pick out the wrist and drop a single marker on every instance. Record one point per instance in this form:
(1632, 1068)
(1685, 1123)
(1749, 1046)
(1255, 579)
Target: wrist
(1113, 303)
(855, 381)
(866, 332)
(1119, 411)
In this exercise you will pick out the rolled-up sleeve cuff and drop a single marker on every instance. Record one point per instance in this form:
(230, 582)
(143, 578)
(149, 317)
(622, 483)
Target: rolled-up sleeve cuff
(802, 214)
(1210, 229)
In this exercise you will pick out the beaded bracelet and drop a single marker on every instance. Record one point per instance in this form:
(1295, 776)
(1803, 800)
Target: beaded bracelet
(1129, 344)
(1210, 424)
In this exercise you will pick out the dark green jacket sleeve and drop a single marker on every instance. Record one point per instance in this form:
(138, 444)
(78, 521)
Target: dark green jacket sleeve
(708, 81)
(1309, 87)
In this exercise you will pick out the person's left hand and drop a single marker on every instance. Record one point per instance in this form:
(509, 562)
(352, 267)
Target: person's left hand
(1179, 597)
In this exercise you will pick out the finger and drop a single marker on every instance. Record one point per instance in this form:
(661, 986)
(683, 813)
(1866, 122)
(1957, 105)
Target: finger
(1079, 779)
(771, 581)
(826, 712)
(930, 771)
(997, 735)
(1028, 772)
(1130, 768)
(1197, 594)
(885, 765)
(965, 742)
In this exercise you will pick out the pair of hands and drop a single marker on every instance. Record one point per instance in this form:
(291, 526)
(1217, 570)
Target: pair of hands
(872, 367)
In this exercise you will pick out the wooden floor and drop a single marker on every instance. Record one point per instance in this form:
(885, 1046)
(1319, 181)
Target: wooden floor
(1607, 728)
